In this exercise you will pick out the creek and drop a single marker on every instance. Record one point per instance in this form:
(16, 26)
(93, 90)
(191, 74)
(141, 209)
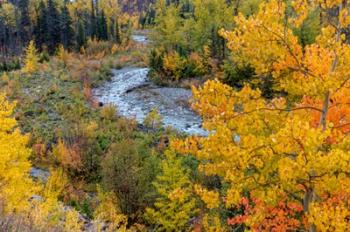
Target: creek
(134, 95)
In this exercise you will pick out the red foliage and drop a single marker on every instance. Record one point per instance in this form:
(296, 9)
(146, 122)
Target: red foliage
(278, 218)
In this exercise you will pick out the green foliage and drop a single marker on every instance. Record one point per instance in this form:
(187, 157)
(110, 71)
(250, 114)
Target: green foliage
(237, 76)
(175, 204)
(10, 65)
(127, 169)
(172, 66)
(187, 32)
(247, 7)
(309, 29)
(156, 60)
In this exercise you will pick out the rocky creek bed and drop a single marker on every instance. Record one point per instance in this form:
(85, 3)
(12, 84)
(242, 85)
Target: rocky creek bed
(135, 96)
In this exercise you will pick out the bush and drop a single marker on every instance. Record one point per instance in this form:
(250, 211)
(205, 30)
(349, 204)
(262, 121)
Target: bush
(173, 66)
(9, 65)
(128, 169)
(109, 112)
(156, 60)
(95, 47)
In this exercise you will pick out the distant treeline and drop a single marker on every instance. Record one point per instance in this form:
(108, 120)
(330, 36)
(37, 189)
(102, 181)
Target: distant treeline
(53, 22)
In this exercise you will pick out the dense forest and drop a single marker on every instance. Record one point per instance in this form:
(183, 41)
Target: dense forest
(267, 81)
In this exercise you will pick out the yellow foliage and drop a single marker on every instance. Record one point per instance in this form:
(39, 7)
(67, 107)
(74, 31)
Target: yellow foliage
(153, 119)
(269, 46)
(49, 212)
(72, 222)
(210, 198)
(175, 205)
(212, 223)
(31, 59)
(173, 63)
(115, 49)
(277, 148)
(63, 55)
(108, 212)
(16, 187)
(199, 63)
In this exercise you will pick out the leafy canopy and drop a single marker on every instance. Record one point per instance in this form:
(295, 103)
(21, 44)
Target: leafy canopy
(293, 148)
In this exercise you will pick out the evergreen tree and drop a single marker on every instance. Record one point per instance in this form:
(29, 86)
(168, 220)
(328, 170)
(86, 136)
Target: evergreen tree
(67, 32)
(81, 37)
(53, 26)
(93, 21)
(24, 21)
(102, 27)
(117, 32)
(41, 29)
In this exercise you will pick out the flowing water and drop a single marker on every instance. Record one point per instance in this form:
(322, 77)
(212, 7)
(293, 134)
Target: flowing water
(135, 96)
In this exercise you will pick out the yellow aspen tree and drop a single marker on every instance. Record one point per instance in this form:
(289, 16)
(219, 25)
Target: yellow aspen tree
(31, 59)
(282, 149)
(16, 187)
(153, 119)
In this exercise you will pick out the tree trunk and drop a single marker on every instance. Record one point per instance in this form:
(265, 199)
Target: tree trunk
(323, 120)
(308, 199)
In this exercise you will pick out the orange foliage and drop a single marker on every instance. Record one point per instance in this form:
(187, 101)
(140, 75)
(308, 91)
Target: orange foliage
(332, 214)
(87, 91)
(278, 218)
(39, 150)
(338, 112)
(69, 156)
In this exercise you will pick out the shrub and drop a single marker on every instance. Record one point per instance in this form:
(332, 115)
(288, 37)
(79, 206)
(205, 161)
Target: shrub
(9, 65)
(153, 119)
(198, 64)
(174, 65)
(128, 169)
(70, 157)
(95, 47)
(109, 112)
(156, 59)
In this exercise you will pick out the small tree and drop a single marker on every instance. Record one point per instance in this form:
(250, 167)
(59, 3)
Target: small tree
(175, 206)
(153, 119)
(31, 60)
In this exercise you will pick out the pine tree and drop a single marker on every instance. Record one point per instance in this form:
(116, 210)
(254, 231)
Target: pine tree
(81, 37)
(67, 32)
(53, 26)
(24, 21)
(175, 206)
(93, 21)
(41, 29)
(102, 27)
(118, 39)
